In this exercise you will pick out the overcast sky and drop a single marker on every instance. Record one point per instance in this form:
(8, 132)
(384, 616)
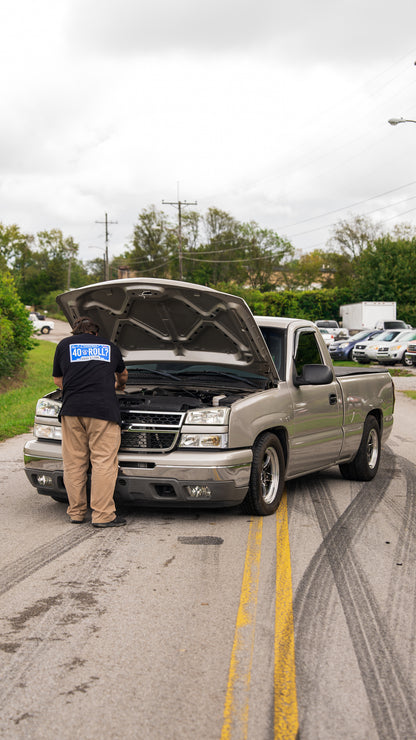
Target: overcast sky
(275, 112)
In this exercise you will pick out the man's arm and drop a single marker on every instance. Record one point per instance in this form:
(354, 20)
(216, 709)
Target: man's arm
(58, 381)
(121, 380)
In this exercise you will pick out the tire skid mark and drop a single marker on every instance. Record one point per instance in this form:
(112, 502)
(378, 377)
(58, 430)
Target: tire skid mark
(23, 567)
(74, 601)
(391, 699)
(402, 589)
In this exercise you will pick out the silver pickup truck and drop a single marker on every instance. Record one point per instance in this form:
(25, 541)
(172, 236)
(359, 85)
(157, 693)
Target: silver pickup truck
(221, 406)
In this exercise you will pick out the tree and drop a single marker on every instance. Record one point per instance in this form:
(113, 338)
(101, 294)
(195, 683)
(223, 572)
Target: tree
(353, 236)
(386, 271)
(51, 266)
(264, 253)
(15, 327)
(239, 253)
(306, 271)
(151, 245)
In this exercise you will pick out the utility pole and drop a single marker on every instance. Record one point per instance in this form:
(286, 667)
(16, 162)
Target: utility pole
(178, 204)
(106, 262)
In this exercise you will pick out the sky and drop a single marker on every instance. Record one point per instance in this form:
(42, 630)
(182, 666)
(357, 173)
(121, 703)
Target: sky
(274, 112)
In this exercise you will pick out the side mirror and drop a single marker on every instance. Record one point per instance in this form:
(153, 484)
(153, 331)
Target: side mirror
(314, 375)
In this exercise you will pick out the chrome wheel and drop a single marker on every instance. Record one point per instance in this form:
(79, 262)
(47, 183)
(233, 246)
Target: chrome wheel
(372, 449)
(270, 475)
(267, 477)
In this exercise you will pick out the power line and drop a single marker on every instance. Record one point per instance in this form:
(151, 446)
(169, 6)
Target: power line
(352, 205)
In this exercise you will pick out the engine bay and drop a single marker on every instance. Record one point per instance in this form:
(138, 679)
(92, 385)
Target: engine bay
(170, 399)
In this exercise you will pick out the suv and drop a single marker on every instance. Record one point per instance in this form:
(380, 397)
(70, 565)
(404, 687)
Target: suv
(410, 354)
(366, 351)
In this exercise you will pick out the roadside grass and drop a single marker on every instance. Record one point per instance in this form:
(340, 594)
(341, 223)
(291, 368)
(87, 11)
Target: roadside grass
(410, 394)
(394, 371)
(19, 394)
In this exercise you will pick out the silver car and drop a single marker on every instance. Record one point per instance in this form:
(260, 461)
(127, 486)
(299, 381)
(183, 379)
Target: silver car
(389, 353)
(366, 351)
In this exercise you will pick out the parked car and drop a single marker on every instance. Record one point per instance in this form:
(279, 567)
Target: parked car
(392, 324)
(366, 351)
(42, 325)
(333, 327)
(327, 336)
(341, 349)
(410, 354)
(389, 353)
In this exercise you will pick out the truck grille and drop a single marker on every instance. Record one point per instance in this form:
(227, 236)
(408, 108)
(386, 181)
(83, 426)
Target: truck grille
(411, 347)
(149, 431)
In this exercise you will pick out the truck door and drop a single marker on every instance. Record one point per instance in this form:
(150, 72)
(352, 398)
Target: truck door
(317, 412)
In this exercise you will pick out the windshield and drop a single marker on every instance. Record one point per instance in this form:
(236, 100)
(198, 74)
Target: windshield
(363, 334)
(404, 335)
(388, 336)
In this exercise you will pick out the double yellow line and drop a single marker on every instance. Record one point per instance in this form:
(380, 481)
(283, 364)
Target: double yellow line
(236, 708)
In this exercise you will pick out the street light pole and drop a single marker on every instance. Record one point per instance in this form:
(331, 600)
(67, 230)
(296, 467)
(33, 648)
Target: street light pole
(395, 121)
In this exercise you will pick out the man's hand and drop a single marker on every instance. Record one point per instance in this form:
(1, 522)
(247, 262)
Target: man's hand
(121, 380)
(58, 381)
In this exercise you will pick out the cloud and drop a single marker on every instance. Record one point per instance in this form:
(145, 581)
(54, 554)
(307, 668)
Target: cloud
(301, 32)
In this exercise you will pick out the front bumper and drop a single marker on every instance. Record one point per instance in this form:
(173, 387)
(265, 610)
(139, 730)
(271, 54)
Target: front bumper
(338, 355)
(189, 477)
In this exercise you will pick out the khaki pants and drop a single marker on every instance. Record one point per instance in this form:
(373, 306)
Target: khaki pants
(86, 440)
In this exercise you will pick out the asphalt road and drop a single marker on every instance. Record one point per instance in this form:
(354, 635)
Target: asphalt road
(208, 624)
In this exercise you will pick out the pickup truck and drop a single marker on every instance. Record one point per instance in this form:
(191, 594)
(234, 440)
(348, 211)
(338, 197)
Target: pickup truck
(41, 324)
(221, 407)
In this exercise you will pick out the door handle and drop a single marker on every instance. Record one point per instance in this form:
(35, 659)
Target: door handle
(332, 399)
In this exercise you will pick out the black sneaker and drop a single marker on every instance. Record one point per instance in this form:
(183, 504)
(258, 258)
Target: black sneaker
(77, 521)
(117, 522)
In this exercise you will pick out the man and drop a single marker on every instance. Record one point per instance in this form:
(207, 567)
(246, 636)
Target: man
(89, 370)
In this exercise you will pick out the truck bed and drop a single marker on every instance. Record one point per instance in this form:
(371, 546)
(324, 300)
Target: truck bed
(342, 372)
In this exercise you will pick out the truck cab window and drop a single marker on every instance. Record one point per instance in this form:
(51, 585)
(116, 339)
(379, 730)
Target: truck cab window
(307, 352)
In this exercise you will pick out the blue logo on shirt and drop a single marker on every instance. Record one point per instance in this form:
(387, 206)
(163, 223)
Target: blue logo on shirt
(85, 352)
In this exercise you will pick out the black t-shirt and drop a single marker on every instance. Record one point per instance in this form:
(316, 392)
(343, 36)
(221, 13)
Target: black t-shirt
(87, 364)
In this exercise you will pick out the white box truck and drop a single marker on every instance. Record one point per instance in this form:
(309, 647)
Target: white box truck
(367, 314)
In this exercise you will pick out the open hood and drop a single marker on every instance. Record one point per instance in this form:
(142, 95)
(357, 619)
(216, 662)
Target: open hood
(155, 319)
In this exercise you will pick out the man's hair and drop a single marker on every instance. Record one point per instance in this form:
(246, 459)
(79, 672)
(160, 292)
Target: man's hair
(84, 325)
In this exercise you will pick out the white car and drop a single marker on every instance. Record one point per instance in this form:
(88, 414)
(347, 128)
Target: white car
(327, 335)
(44, 326)
(366, 351)
(389, 353)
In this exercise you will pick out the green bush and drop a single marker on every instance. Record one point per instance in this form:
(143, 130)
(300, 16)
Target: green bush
(15, 327)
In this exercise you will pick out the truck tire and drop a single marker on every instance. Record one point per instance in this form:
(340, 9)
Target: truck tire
(267, 476)
(407, 361)
(365, 464)
(45, 330)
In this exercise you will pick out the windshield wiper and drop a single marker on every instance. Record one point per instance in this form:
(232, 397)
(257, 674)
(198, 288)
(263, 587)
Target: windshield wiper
(145, 371)
(220, 374)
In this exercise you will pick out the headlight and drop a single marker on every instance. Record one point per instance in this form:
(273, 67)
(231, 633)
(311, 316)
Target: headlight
(212, 441)
(343, 345)
(47, 431)
(212, 415)
(47, 407)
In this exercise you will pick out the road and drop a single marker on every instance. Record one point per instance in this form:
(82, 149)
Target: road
(209, 624)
